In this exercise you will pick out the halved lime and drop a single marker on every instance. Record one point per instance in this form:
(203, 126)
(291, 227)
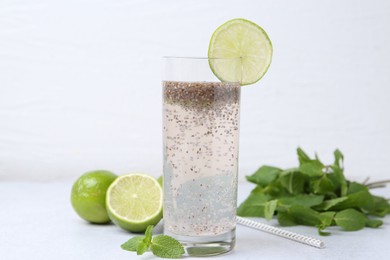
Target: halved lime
(240, 50)
(135, 201)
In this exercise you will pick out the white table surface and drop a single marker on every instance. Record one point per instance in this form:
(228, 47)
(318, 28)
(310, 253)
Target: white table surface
(38, 222)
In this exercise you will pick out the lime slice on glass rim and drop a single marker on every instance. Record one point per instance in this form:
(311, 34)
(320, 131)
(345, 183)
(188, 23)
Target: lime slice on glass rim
(240, 50)
(134, 201)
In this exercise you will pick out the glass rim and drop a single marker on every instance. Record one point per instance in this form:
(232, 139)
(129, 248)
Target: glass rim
(198, 58)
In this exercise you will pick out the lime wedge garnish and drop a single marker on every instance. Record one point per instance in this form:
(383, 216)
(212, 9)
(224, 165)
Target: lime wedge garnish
(135, 201)
(240, 50)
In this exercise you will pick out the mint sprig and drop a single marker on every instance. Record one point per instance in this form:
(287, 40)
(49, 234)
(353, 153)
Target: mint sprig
(161, 245)
(166, 247)
(314, 194)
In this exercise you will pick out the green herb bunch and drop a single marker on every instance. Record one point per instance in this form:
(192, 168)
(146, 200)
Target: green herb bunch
(314, 194)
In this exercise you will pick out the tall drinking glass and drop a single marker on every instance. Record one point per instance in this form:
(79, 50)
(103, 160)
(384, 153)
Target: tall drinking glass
(200, 146)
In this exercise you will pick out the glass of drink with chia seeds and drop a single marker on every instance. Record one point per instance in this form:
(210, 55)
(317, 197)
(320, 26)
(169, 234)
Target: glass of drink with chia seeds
(201, 122)
(200, 145)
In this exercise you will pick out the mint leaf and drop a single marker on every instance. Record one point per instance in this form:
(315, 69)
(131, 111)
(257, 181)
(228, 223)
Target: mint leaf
(166, 247)
(264, 175)
(304, 215)
(254, 205)
(143, 242)
(148, 235)
(269, 209)
(276, 189)
(338, 178)
(326, 205)
(132, 243)
(338, 158)
(379, 207)
(323, 185)
(312, 168)
(354, 187)
(350, 219)
(358, 199)
(326, 221)
(327, 218)
(285, 219)
(302, 156)
(322, 233)
(374, 223)
(307, 200)
(142, 248)
(293, 181)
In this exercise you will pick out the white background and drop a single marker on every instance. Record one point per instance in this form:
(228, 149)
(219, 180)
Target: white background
(80, 83)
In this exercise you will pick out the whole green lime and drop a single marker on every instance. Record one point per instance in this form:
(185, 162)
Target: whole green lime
(89, 195)
(160, 180)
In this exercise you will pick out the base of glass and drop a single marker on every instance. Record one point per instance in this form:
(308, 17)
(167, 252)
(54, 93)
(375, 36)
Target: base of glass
(206, 245)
